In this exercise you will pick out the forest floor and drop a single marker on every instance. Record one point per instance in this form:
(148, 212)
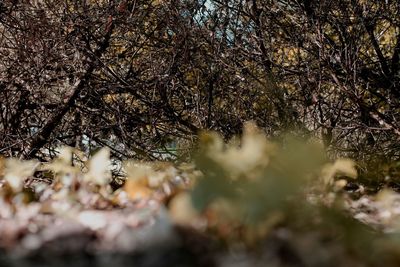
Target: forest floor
(79, 224)
(244, 205)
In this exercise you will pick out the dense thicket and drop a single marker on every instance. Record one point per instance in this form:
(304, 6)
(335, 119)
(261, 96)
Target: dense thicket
(144, 76)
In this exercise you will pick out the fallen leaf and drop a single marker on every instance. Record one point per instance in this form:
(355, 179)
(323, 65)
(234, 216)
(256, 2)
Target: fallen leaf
(17, 171)
(344, 167)
(182, 211)
(99, 168)
(136, 189)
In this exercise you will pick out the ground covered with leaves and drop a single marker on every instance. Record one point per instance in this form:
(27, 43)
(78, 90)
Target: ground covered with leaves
(248, 202)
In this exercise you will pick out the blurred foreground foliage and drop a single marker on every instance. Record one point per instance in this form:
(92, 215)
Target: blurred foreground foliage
(283, 203)
(253, 190)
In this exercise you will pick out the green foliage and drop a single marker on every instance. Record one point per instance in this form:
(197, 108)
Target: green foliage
(254, 185)
(290, 186)
(255, 176)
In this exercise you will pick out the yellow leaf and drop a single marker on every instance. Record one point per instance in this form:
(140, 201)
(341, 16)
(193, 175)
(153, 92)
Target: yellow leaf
(99, 168)
(340, 184)
(137, 180)
(17, 171)
(2, 165)
(252, 154)
(63, 163)
(136, 189)
(344, 167)
(182, 211)
(138, 171)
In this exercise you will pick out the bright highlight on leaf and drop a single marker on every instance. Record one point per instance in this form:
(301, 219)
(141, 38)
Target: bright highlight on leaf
(343, 167)
(137, 189)
(99, 168)
(252, 154)
(17, 171)
(62, 165)
(182, 211)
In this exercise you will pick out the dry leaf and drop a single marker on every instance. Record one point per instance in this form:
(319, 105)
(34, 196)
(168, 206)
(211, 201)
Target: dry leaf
(17, 171)
(340, 184)
(182, 211)
(62, 166)
(99, 168)
(252, 154)
(345, 167)
(2, 165)
(137, 189)
(93, 219)
(137, 181)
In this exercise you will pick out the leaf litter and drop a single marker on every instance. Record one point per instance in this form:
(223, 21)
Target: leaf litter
(238, 195)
